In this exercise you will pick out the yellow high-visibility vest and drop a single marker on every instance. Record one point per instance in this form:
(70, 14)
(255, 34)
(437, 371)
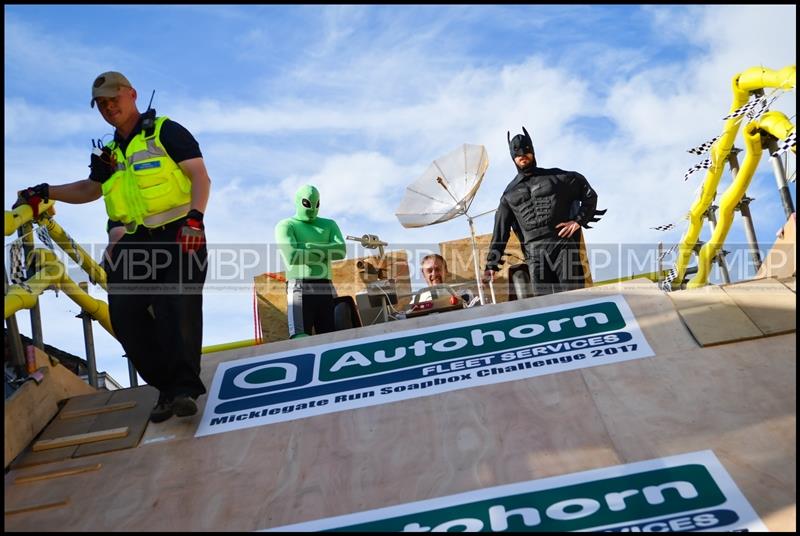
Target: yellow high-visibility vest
(147, 188)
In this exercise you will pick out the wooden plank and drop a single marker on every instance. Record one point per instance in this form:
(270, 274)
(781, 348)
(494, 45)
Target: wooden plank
(96, 411)
(79, 439)
(57, 428)
(68, 384)
(27, 412)
(767, 302)
(37, 507)
(86, 402)
(712, 316)
(135, 419)
(91, 421)
(57, 474)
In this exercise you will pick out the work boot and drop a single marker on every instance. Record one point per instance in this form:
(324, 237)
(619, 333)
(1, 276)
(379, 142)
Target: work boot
(162, 410)
(184, 406)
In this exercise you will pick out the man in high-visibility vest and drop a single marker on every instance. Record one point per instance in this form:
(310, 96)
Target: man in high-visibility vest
(153, 180)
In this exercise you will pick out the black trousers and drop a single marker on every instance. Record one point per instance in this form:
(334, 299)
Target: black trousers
(554, 264)
(155, 298)
(310, 306)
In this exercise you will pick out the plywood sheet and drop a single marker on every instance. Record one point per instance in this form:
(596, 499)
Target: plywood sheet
(85, 402)
(96, 411)
(739, 400)
(59, 383)
(134, 418)
(767, 302)
(27, 412)
(67, 383)
(342, 462)
(712, 316)
(57, 428)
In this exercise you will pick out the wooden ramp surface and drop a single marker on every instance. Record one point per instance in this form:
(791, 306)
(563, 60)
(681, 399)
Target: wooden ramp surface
(738, 311)
(92, 424)
(34, 404)
(737, 399)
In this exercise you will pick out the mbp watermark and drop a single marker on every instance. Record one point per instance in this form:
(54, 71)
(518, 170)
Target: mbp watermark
(233, 267)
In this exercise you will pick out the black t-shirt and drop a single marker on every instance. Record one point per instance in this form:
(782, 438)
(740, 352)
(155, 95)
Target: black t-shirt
(178, 142)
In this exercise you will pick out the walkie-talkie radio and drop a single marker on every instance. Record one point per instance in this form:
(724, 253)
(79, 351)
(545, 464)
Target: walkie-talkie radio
(149, 117)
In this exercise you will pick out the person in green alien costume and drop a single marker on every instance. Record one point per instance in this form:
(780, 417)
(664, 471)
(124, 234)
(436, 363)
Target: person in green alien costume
(308, 244)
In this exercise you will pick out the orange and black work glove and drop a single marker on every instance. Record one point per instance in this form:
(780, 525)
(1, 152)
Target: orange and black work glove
(101, 165)
(33, 196)
(191, 235)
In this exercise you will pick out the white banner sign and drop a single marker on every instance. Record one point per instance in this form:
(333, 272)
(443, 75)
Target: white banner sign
(684, 493)
(408, 364)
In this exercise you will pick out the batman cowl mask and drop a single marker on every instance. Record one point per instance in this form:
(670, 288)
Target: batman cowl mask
(520, 144)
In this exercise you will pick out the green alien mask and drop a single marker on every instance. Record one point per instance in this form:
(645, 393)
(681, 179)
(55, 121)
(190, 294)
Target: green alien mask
(306, 202)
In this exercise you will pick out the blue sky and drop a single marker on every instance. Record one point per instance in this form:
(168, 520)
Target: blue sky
(359, 99)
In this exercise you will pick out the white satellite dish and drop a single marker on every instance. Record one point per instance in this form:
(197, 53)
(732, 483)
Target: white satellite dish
(445, 191)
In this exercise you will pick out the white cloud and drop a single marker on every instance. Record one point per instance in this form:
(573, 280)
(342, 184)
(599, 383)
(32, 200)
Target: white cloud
(25, 121)
(361, 182)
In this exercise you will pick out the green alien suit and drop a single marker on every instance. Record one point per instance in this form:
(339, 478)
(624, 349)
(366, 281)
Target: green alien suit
(308, 244)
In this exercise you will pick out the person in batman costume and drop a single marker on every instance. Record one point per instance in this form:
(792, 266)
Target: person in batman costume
(308, 244)
(546, 209)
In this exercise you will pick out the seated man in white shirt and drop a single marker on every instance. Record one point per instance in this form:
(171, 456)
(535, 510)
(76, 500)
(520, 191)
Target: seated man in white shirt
(434, 269)
(434, 272)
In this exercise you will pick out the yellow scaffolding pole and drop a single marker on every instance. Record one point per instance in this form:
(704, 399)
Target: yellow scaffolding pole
(229, 346)
(753, 79)
(16, 218)
(76, 252)
(775, 124)
(655, 277)
(53, 273)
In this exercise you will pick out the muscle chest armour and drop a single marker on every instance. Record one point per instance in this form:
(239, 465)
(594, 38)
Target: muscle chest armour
(538, 204)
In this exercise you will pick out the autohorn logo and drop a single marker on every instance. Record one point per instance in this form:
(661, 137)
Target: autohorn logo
(271, 375)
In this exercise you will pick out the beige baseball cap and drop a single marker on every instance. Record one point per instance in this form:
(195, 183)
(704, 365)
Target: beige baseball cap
(107, 85)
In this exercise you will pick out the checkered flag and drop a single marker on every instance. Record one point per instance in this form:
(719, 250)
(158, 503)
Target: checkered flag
(765, 104)
(746, 108)
(705, 164)
(703, 147)
(666, 284)
(665, 227)
(754, 108)
(17, 264)
(667, 252)
(44, 236)
(788, 143)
